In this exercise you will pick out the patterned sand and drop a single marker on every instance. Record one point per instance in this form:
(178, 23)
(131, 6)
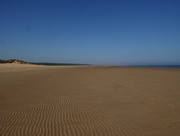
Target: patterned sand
(89, 101)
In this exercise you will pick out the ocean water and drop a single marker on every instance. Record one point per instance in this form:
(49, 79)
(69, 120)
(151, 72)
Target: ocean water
(164, 66)
(56, 64)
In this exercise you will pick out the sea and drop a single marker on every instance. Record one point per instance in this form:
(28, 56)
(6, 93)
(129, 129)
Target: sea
(164, 66)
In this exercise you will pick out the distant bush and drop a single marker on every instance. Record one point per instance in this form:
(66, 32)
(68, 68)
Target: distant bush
(3, 61)
(13, 61)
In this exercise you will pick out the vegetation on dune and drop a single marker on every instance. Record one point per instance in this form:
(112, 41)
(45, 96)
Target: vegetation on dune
(39, 63)
(13, 61)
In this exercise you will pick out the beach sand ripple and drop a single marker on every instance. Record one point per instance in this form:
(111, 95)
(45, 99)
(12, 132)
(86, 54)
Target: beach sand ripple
(90, 101)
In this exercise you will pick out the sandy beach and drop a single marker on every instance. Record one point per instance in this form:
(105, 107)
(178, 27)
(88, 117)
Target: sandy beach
(89, 101)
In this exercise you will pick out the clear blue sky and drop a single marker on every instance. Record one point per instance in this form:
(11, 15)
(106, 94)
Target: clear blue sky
(101, 32)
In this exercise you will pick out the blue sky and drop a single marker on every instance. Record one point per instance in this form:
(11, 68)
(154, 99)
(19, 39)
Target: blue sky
(100, 32)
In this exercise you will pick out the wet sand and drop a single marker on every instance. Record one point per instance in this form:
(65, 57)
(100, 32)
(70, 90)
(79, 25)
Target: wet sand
(89, 101)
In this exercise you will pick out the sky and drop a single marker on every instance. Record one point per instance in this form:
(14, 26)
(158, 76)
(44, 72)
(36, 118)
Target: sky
(98, 32)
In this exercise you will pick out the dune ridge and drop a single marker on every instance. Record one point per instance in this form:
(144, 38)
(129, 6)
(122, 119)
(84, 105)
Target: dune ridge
(93, 101)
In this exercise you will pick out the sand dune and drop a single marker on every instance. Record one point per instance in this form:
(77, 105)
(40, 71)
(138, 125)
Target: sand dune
(89, 101)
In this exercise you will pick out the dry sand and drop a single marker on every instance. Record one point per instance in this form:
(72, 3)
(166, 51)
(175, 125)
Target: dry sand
(89, 101)
(14, 67)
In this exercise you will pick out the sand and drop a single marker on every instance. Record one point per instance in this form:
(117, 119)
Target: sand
(14, 67)
(89, 101)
